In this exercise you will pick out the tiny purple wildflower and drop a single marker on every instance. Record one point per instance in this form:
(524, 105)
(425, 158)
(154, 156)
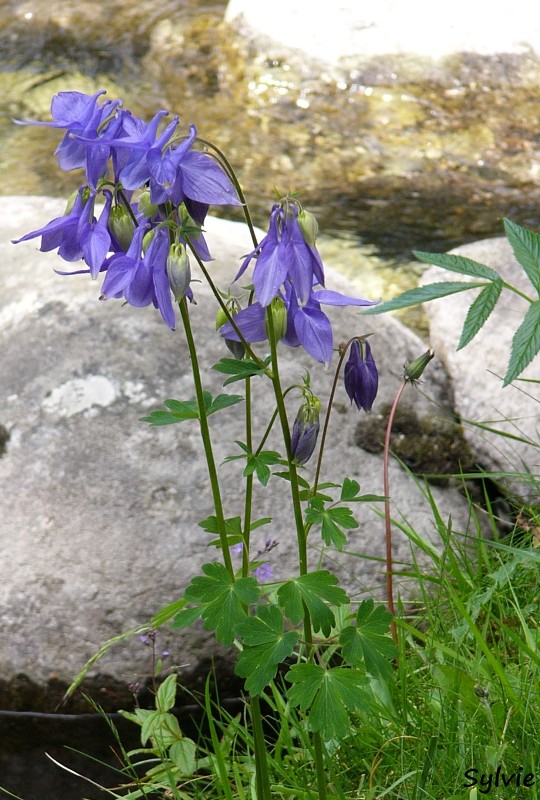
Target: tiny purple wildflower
(263, 572)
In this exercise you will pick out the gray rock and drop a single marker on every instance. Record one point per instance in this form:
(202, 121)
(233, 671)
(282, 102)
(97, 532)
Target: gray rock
(100, 512)
(478, 369)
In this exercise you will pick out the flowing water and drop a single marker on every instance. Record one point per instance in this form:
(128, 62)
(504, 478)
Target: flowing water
(391, 157)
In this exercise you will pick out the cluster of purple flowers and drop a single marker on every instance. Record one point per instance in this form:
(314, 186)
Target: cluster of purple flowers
(289, 269)
(156, 189)
(151, 182)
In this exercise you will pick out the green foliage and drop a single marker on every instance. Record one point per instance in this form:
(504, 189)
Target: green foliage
(222, 598)
(180, 410)
(332, 520)
(233, 529)
(367, 643)
(525, 344)
(258, 463)
(312, 592)
(526, 247)
(240, 370)
(329, 695)
(265, 646)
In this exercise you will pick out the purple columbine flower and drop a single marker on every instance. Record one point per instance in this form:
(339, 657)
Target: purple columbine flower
(361, 376)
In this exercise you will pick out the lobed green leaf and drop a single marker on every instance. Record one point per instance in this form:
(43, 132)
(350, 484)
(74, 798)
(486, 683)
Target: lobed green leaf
(313, 590)
(368, 642)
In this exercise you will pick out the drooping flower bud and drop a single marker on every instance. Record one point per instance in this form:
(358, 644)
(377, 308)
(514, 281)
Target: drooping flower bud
(237, 348)
(121, 226)
(147, 238)
(278, 310)
(414, 369)
(309, 227)
(361, 376)
(305, 430)
(178, 270)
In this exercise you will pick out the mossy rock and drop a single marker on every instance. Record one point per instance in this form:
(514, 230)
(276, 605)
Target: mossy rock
(432, 446)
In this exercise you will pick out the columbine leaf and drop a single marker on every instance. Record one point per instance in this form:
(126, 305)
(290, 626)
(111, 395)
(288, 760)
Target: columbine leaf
(240, 370)
(526, 247)
(368, 643)
(329, 695)
(223, 401)
(332, 519)
(223, 599)
(314, 590)
(455, 263)
(525, 344)
(423, 294)
(259, 462)
(265, 646)
(479, 311)
(179, 411)
(350, 489)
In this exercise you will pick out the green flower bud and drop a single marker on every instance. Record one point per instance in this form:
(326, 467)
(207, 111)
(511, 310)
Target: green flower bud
(148, 208)
(414, 369)
(279, 317)
(121, 226)
(237, 348)
(178, 270)
(147, 238)
(309, 227)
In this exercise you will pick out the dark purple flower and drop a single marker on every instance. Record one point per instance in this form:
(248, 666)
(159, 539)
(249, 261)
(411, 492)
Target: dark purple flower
(361, 376)
(305, 430)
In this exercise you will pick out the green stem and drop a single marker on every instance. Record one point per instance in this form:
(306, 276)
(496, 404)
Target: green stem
(387, 521)
(205, 435)
(259, 746)
(300, 532)
(517, 291)
(249, 485)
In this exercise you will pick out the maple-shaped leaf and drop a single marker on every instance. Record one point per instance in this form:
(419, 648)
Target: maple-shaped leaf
(368, 643)
(328, 696)
(223, 599)
(266, 645)
(313, 590)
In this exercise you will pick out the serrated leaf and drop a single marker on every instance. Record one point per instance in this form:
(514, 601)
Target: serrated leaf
(265, 647)
(166, 693)
(423, 294)
(367, 643)
(222, 401)
(233, 525)
(455, 263)
(525, 343)
(223, 599)
(259, 462)
(332, 535)
(350, 489)
(329, 695)
(479, 311)
(526, 247)
(314, 590)
(332, 519)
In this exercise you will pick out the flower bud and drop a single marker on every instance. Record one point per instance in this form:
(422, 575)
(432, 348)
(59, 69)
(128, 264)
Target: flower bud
(305, 430)
(121, 226)
(237, 348)
(178, 270)
(414, 369)
(361, 376)
(279, 318)
(147, 238)
(145, 205)
(309, 227)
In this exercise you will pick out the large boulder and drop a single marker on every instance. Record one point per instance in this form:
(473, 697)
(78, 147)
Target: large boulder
(99, 523)
(501, 425)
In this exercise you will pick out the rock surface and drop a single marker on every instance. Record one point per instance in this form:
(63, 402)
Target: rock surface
(478, 369)
(100, 512)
